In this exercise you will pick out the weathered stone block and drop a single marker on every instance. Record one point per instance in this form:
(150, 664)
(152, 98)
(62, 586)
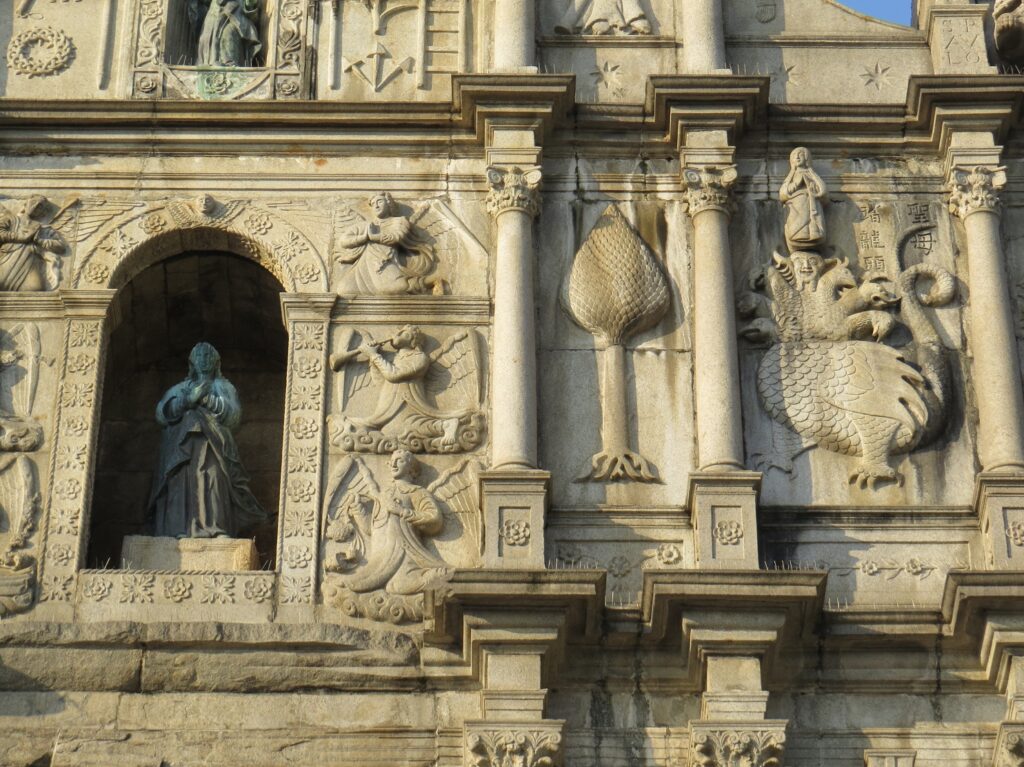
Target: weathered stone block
(140, 552)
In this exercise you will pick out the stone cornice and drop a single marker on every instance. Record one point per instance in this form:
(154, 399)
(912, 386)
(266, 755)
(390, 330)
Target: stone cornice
(733, 104)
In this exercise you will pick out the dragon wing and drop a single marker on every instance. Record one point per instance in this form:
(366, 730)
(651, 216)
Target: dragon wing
(456, 492)
(874, 379)
(456, 365)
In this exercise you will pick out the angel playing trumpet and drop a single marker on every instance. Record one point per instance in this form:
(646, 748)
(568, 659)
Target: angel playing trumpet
(409, 379)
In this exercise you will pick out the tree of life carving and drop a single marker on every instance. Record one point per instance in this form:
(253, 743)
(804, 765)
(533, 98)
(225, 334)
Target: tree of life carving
(615, 289)
(409, 381)
(376, 561)
(830, 377)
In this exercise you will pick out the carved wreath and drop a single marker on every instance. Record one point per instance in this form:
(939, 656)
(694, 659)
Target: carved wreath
(39, 51)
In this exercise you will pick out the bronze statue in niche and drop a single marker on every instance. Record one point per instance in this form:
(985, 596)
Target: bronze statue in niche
(228, 32)
(201, 489)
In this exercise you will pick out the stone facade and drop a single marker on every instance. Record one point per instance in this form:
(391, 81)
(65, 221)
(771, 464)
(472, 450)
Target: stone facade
(628, 382)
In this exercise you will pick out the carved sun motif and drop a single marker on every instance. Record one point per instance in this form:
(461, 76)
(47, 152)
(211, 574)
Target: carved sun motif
(877, 77)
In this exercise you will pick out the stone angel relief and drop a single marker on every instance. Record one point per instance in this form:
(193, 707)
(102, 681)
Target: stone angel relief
(830, 377)
(20, 362)
(385, 545)
(427, 402)
(19, 510)
(30, 249)
(386, 253)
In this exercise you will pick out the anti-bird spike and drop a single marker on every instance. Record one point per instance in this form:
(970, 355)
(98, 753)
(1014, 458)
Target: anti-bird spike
(615, 289)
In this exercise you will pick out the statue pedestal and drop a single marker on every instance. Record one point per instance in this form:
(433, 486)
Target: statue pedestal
(141, 552)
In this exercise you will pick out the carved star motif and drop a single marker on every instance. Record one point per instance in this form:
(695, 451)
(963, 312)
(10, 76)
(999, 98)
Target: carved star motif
(608, 76)
(878, 76)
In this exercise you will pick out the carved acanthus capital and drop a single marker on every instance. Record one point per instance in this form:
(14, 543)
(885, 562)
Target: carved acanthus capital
(715, 745)
(514, 745)
(513, 188)
(1009, 750)
(709, 187)
(975, 189)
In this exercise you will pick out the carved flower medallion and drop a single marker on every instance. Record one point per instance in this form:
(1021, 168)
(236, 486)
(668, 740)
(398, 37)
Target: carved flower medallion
(39, 52)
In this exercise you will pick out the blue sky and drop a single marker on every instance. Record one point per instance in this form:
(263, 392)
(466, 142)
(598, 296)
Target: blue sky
(890, 10)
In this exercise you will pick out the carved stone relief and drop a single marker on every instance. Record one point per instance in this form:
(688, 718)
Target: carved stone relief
(30, 249)
(744, 746)
(829, 376)
(604, 17)
(377, 558)
(616, 289)
(40, 52)
(513, 746)
(427, 401)
(1009, 30)
(160, 72)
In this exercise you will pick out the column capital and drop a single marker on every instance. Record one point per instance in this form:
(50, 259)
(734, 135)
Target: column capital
(514, 188)
(718, 744)
(974, 189)
(709, 187)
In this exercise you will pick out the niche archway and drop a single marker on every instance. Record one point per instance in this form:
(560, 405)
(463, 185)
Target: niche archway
(155, 320)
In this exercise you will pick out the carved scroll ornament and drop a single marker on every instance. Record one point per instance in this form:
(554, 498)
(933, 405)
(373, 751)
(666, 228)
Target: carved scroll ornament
(738, 748)
(514, 748)
(514, 188)
(710, 188)
(975, 189)
(616, 289)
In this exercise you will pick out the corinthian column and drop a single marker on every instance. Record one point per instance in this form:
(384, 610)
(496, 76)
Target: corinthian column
(704, 37)
(513, 201)
(514, 46)
(716, 365)
(974, 199)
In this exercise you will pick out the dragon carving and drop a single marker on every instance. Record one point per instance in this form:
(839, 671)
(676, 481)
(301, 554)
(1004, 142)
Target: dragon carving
(830, 377)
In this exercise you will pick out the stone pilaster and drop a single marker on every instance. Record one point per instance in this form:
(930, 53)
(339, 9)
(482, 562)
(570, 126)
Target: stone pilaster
(307, 318)
(704, 38)
(515, 49)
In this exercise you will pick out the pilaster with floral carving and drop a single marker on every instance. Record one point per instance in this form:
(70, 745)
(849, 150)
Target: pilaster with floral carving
(515, 744)
(307, 318)
(736, 745)
(74, 443)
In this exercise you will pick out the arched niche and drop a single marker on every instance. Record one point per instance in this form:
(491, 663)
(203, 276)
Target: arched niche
(157, 316)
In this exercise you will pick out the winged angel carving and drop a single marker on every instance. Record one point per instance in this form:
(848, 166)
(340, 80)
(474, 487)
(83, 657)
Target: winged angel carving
(410, 381)
(376, 560)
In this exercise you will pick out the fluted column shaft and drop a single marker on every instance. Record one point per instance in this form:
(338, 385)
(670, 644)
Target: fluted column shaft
(514, 44)
(704, 37)
(513, 201)
(974, 198)
(716, 362)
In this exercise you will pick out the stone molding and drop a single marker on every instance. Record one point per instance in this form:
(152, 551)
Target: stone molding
(514, 188)
(720, 744)
(710, 187)
(976, 189)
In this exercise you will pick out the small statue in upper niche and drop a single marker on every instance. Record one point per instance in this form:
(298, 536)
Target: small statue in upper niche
(388, 254)
(803, 193)
(407, 380)
(229, 35)
(1009, 30)
(28, 249)
(604, 17)
(201, 489)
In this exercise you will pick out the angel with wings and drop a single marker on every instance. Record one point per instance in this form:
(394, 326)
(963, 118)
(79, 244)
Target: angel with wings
(28, 249)
(408, 380)
(387, 254)
(374, 536)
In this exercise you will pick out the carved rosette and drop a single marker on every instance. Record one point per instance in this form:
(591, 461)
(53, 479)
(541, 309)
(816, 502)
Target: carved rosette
(975, 189)
(513, 745)
(514, 189)
(104, 587)
(163, 229)
(302, 448)
(718, 745)
(710, 187)
(73, 445)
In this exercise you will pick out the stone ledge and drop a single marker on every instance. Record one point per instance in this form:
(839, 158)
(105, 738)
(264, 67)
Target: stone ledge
(140, 552)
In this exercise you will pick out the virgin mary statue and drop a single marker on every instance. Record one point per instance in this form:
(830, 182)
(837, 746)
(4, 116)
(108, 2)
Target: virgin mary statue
(229, 37)
(201, 489)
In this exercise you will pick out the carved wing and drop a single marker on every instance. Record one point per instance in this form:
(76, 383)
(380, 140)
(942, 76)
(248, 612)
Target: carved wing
(91, 216)
(456, 491)
(19, 499)
(438, 221)
(457, 367)
(873, 379)
(312, 217)
(351, 492)
(20, 381)
(358, 374)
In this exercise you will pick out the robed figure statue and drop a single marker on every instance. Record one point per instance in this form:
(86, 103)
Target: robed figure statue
(229, 35)
(803, 193)
(201, 489)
